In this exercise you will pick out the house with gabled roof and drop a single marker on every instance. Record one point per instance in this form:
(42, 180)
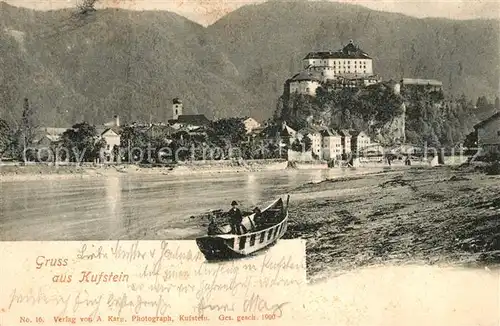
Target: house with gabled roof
(331, 144)
(345, 138)
(250, 124)
(314, 134)
(359, 141)
(112, 138)
(488, 134)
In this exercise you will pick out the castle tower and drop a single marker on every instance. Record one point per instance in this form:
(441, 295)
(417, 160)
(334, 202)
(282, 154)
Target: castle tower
(176, 108)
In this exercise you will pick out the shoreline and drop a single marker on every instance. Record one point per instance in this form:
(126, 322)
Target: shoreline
(33, 172)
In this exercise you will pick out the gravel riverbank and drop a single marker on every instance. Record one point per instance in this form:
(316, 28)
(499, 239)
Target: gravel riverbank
(438, 215)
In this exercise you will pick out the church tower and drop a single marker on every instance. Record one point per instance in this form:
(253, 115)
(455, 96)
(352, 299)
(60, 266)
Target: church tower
(176, 108)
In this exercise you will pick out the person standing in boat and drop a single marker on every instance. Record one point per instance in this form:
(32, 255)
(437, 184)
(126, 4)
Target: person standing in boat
(236, 219)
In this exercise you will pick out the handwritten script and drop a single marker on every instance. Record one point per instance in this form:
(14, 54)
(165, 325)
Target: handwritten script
(141, 281)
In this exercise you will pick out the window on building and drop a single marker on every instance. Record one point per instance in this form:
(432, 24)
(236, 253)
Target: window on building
(498, 133)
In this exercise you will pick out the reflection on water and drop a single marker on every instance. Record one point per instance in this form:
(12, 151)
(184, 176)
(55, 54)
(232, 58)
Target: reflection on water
(135, 207)
(252, 189)
(113, 198)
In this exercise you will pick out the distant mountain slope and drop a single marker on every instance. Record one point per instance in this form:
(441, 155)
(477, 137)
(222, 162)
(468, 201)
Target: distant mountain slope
(113, 62)
(267, 43)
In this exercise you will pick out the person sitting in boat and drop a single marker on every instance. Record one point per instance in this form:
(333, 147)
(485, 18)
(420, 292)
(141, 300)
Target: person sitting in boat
(236, 219)
(213, 229)
(257, 218)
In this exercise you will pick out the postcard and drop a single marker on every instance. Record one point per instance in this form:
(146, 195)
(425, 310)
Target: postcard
(220, 162)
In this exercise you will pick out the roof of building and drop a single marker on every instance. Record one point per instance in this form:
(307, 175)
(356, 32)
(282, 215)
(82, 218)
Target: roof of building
(309, 130)
(166, 129)
(416, 81)
(287, 131)
(51, 138)
(350, 51)
(336, 55)
(49, 133)
(485, 121)
(307, 75)
(191, 119)
(246, 118)
(344, 132)
(53, 131)
(102, 130)
(274, 130)
(329, 133)
(355, 133)
(257, 130)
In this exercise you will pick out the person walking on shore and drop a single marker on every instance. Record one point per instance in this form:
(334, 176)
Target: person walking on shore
(235, 219)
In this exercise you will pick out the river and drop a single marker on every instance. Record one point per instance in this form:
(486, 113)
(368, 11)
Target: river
(131, 207)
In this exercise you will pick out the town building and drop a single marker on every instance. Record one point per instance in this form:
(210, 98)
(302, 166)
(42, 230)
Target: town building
(359, 141)
(350, 60)
(351, 81)
(111, 135)
(283, 133)
(345, 141)
(176, 108)
(287, 133)
(251, 124)
(349, 67)
(305, 82)
(429, 85)
(314, 134)
(160, 130)
(488, 134)
(332, 144)
(181, 120)
(48, 136)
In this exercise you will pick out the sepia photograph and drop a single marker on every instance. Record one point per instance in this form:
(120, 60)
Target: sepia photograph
(370, 130)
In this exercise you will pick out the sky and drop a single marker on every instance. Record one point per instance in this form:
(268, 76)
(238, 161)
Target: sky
(206, 12)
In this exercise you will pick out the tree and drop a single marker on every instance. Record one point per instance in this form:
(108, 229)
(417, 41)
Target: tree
(296, 146)
(26, 131)
(5, 137)
(230, 129)
(82, 143)
(307, 142)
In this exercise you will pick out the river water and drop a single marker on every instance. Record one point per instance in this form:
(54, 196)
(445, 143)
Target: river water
(131, 207)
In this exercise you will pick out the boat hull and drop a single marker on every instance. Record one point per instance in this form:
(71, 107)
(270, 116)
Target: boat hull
(231, 246)
(214, 248)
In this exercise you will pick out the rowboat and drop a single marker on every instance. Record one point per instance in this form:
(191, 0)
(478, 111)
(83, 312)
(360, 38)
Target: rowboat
(263, 232)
